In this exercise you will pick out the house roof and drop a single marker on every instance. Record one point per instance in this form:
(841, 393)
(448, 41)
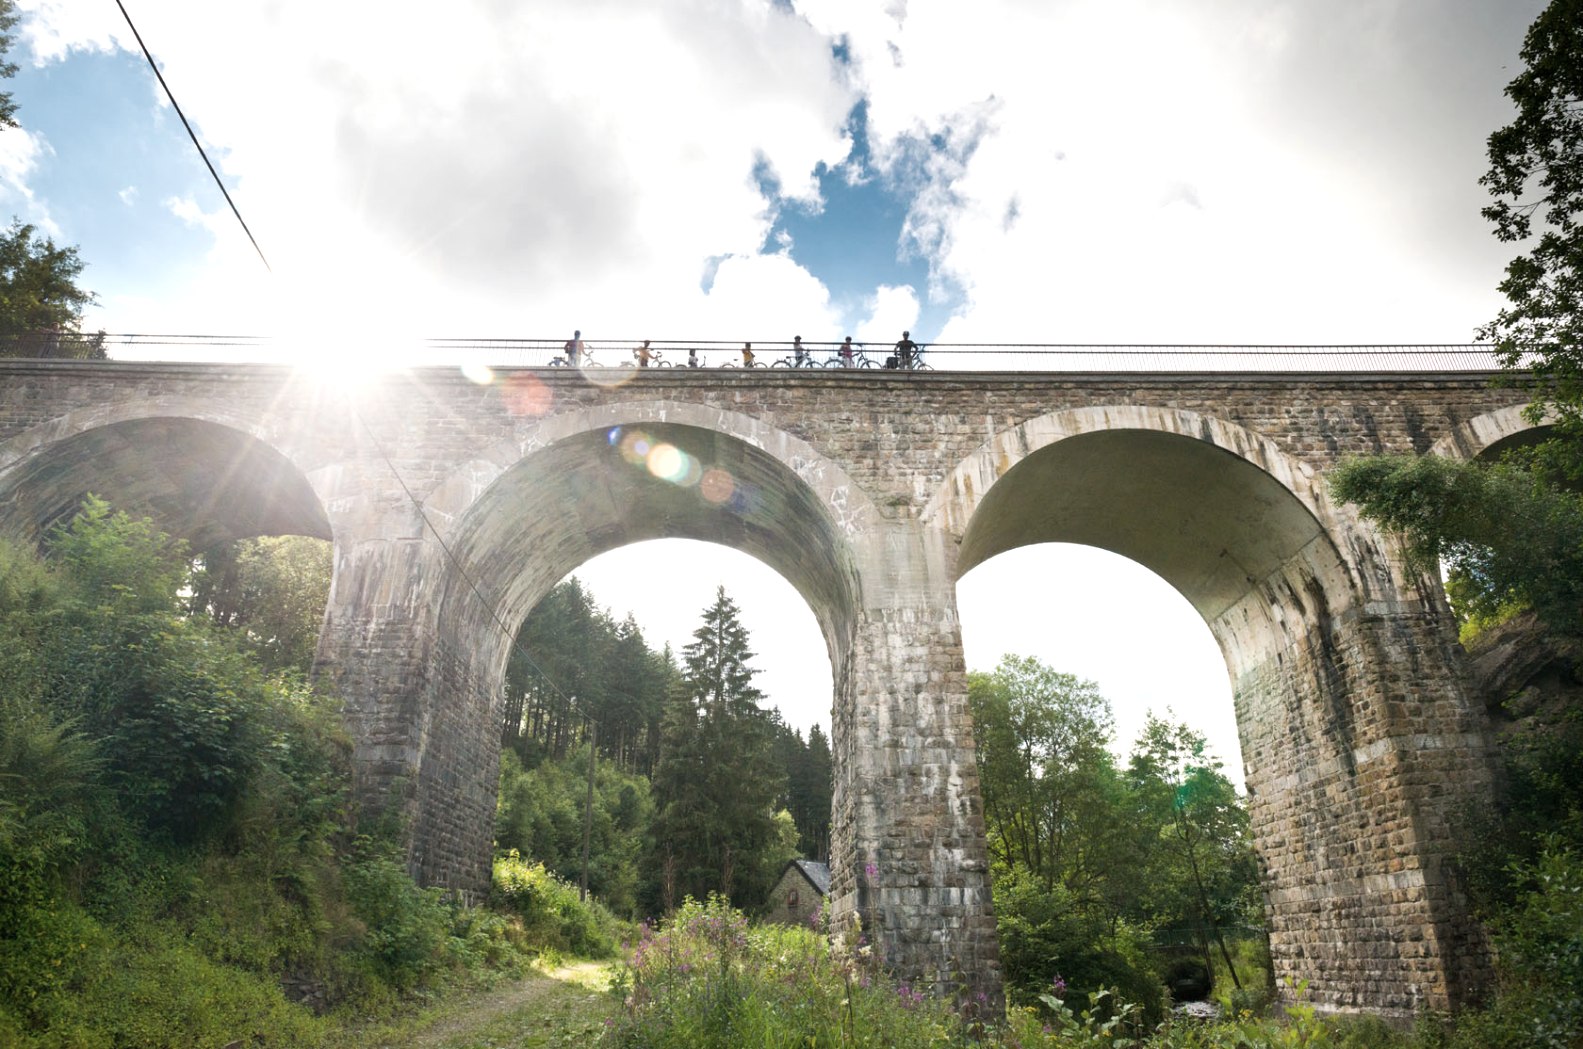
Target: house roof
(818, 874)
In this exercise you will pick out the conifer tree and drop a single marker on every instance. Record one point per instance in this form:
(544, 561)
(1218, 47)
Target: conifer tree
(715, 783)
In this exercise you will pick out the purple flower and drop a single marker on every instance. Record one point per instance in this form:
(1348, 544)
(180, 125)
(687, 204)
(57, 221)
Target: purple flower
(871, 869)
(1058, 985)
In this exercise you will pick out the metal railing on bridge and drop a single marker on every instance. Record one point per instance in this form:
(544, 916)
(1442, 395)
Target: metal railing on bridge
(704, 353)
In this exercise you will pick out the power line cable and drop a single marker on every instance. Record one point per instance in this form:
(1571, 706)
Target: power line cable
(191, 134)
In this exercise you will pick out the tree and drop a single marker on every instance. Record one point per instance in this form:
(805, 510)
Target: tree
(8, 21)
(271, 590)
(40, 303)
(716, 782)
(1046, 776)
(1509, 532)
(1204, 869)
(1536, 171)
(1509, 536)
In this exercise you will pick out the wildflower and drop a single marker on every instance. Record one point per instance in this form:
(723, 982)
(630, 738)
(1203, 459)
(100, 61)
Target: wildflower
(1058, 985)
(871, 869)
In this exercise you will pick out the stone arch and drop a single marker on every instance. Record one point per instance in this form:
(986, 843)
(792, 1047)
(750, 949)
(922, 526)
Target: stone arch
(1490, 433)
(204, 476)
(1349, 701)
(1100, 475)
(849, 506)
(583, 487)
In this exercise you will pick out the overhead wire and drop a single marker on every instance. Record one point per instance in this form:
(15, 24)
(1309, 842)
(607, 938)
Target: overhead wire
(192, 134)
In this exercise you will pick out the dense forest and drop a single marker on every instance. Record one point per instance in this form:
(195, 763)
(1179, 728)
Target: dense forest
(698, 787)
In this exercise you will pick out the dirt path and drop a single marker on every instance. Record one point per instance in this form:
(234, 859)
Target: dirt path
(562, 1008)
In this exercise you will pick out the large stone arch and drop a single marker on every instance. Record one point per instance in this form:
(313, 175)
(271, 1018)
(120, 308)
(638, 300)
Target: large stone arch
(1488, 434)
(1350, 701)
(205, 476)
(419, 642)
(515, 519)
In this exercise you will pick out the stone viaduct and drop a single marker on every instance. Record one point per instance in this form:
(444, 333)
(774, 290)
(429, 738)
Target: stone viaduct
(455, 505)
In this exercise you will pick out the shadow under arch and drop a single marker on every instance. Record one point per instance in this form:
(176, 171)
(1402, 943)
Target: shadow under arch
(603, 488)
(203, 481)
(1220, 513)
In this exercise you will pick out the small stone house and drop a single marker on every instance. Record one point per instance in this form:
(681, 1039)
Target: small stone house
(802, 887)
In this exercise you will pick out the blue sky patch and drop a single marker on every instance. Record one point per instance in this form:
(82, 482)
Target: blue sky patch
(114, 158)
(852, 243)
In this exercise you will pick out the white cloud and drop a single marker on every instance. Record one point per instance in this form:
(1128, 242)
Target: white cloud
(501, 169)
(20, 153)
(128, 195)
(52, 29)
(890, 310)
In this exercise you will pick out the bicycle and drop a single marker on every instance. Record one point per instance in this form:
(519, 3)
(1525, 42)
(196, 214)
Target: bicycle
(801, 357)
(860, 359)
(656, 360)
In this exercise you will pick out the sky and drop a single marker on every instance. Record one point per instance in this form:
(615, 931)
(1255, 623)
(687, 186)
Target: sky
(1047, 171)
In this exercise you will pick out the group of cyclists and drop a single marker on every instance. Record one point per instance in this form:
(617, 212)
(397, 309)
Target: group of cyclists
(908, 355)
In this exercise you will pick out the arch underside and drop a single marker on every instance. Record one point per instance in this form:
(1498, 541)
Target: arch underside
(197, 480)
(1208, 522)
(583, 496)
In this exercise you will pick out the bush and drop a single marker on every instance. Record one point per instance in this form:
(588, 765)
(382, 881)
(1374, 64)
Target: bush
(1046, 936)
(706, 980)
(406, 927)
(552, 915)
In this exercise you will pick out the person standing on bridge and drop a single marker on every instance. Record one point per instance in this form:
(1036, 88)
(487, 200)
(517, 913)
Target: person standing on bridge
(846, 352)
(906, 351)
(643, 354)
(573, 350)
(747, 355)
(799, 353)
(692, 356)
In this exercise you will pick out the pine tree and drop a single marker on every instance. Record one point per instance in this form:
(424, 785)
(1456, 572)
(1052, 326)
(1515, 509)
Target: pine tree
(716, 781)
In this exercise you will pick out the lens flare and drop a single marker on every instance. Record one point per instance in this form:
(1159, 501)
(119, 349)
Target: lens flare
(635, 446)
(619, 375)
(482, 374)
(526, 395)
(716, 485)
(666, 461)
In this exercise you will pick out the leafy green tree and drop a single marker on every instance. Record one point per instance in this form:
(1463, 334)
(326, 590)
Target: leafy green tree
(540, 814)
(1047, 777)
(271, 590)
(40, 303)
(1509, 536)
(8, 21)
(1536, 179)
(715, 785)
(1203, 870)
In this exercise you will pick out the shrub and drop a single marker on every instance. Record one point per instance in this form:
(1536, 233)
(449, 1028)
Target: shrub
(706, 980)
(1046, 935)
(552, 915)
(407, 928)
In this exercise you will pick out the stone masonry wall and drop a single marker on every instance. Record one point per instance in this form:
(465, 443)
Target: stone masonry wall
(1359, 743)
(910, 859)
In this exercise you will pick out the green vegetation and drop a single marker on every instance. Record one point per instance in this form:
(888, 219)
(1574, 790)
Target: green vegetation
(179, 859)
(1109, 877)
(697, 788)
